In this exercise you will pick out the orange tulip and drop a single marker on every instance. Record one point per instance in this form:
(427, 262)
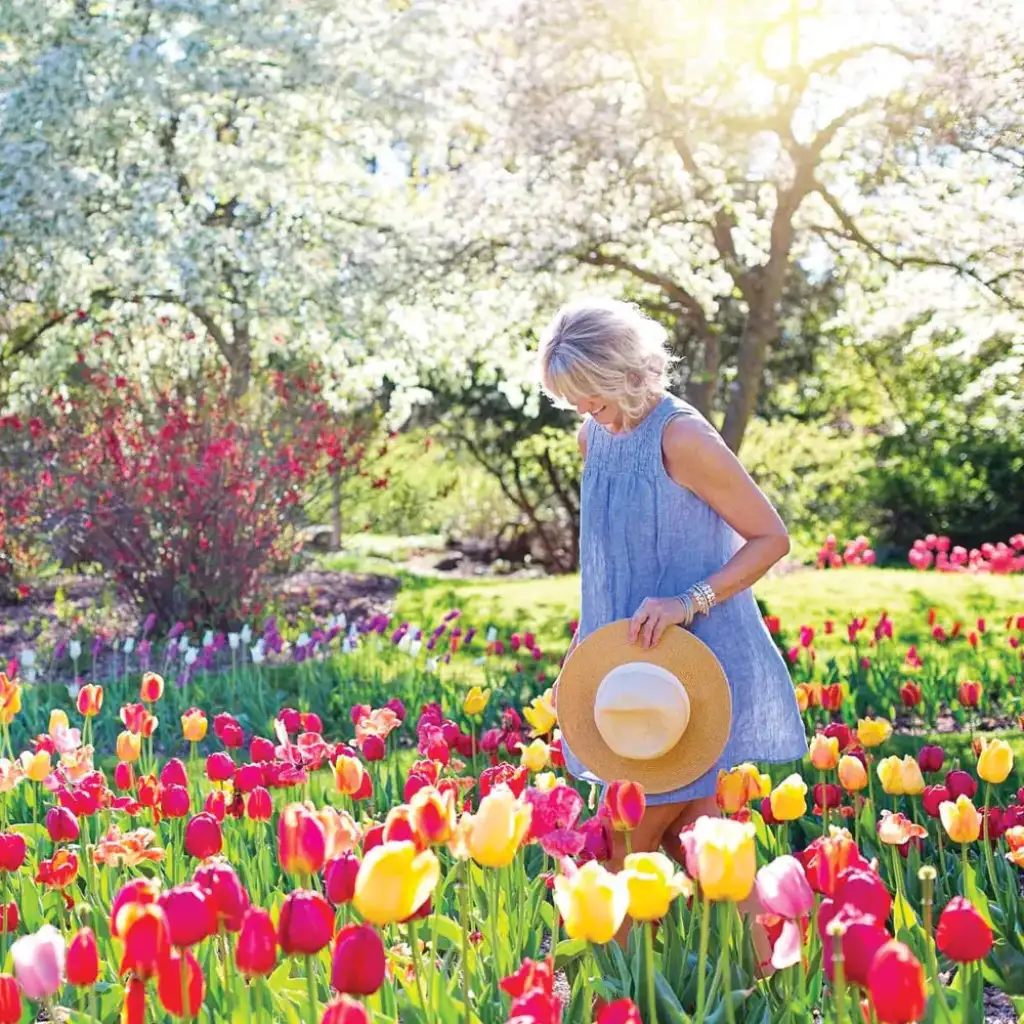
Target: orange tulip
(90, 700)
(151, 688)
(129, 746)
(824, 752)
(301, 843)
(194, 725)
(348, 774)
(433, 816)
(969, 693)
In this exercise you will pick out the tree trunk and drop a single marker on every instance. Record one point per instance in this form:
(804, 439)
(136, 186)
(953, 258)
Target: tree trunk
(336, 510)
(703, 380)
(240, 364)
(758, 333)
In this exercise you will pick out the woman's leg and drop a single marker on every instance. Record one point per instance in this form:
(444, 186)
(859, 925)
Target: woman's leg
(751, 906)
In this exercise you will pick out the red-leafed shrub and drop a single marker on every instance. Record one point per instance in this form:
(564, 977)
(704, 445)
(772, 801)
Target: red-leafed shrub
(187, 500)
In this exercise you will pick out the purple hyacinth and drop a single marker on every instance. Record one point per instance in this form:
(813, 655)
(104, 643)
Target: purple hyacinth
(470, 633)
(453, 614)
(431, 643)
(145, 648)
(149, 623)
(60, 650)
(176, 630)
(97, 646)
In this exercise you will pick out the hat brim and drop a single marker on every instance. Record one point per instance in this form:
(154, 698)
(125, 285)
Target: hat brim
(693, 664)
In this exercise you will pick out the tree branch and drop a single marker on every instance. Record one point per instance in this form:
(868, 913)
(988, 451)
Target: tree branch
(833, 61)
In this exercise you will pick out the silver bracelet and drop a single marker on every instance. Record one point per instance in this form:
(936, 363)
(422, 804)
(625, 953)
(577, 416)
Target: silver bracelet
(687, 602)
(698, 600)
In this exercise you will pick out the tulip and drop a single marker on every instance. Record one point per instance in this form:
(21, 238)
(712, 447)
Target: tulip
(10, 1000)
(348, 775)
(475, 702)
(863, 936)
(824, 752)
(653, 883)
(39, 962)
(340, 878)
(853, 777)
(358, 964)
(220, 767)
(783, 891)
(37, 765)
(143, 929)
(896, 984)
(151, 689)
(962, 933)
(373, 747)
(229, 898)
(394, 881)
(996, 761)
(724, 854)
(789, 798)
(593, 902)
(873, 731)
(12, 851)
(910, 694)
(190, 914)
(194, 725)
(344, 1010)
(256, 952)
(90, 700)
(203, 837)
(301, 840)
(432, 816)
(863, 889)
(83, 960)
(398, 828)
(259, 806)
(969, 693)
(933, 798)
(129, 746)
(961, 820)
(541, 714)
(174, 801)
(134, 1009)
(536, 756)
(179, 981)
(124, 776)
(930, 758)
(961, 783)
(61, 825)
(495, 833)
(897, 829)
(736, 788)
(625, 803)
(9, 918)
(306, 923)
(901, 776)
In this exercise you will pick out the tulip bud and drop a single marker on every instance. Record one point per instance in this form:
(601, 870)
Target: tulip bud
(930, 758)
(824, 752)
(896, 984)
(178, 983)
(61, 825)
(190, 914)
(261, 750)
(852, 775)
(12, 851)
(960, 783)
(129, 746)
(229, 898)
(256, 953)
(358, 964)
(306, 923)
(340, 878)
(996, 761)
(969, 693)
(194, 725)
(963, 934)
(174, 802)
(174, 774)
(219, 767)
(83, 959)
(301, 841)
(90, 700)
(10, 1000)
(625, 803)
(151, 688)
(143, 929)
(348, 774)
(259, 806)
(9, 918)
(961, 820)
(344, 1010)
(863, 889)
(124, 776)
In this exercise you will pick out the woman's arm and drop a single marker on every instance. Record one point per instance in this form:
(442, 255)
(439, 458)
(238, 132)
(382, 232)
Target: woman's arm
(697, 458)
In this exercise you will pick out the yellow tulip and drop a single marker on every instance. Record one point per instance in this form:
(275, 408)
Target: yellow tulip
(801, 697)
(653, 883)
(873, 731)
(58, 720)
(852, 775)
(789, 798)
(495, 833)
(394, 881)
(913, 780)
(10, 701)
(536, 756)
(37, 765)
(996, 761)
(194, 725)
(725, 855)
(961, 820)
(900, 776)
(736, 788)
(824, 752)
(129, 746)
(476, 701)
(593, 903)
(546, 781)
(540, 713)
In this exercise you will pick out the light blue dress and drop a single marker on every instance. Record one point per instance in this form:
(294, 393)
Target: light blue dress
(643, 535)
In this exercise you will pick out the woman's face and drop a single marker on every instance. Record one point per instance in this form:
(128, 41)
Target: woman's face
(605, 411)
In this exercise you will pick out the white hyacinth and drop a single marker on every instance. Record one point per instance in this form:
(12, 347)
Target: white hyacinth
(190, 655)
(405, 643)
(129, 645)
(302, 640)
(183, 644)
(492, 635)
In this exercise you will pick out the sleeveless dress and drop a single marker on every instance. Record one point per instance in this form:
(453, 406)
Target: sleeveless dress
(643, 535)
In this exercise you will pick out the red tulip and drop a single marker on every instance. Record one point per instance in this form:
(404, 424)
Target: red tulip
(203, 837)
(143, 929)
(344, 1010)
(9, 918)
(863, 937)
(365, 790)
(863, 889)
(174, 774)
(139, 890)
(259, 806)
(256, 953)
(932, 799)
(261, 749)
(827, 794)
(930, 758)
(960, 783)
(373, 747)
(969, 693)
(172, 992)
(301, 840)
(311, 722)
(134, 1011)
(340, 878)
(174, 801)
(220, 767)
(248, 777)
(896, 984)
(229, 899)
(622, 1011)
(190, 914)
(397, 706)
(10, 1000)
(12, 851)
(83, 959)
(152, 687)
(841, 732)
(124, 776)
(962, 933)
(625, 803)
(372, 837)
(61, 825)
(306, 923)
(910, 694)
(216, 804)
(832, 697)
(358, 963)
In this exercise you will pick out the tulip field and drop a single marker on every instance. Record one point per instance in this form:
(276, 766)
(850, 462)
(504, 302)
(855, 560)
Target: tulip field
(371, 821)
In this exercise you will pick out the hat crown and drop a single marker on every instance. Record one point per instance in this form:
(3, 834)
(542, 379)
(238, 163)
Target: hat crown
(641, 710)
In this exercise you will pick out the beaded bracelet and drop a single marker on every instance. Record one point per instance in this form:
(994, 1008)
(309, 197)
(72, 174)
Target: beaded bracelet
(698, 600)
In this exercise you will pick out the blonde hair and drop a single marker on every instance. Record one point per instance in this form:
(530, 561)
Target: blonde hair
(602, 348)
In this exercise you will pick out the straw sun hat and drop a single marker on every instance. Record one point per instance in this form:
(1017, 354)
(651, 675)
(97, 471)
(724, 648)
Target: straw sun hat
(659, 716)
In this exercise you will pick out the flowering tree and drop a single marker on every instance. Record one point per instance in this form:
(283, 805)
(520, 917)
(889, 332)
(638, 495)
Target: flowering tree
(186, 499)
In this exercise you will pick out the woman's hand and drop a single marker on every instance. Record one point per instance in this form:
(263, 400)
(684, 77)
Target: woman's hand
(653, 617)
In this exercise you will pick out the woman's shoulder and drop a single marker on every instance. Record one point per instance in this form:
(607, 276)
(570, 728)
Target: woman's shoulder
(687, 430)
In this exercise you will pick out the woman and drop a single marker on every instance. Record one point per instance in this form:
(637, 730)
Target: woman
(673, 531)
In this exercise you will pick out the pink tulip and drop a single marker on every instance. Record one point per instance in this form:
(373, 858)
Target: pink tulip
(39, 962)
(783, 890)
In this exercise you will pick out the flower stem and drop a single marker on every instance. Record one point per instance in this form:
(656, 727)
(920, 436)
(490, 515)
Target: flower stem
(417, 962)
(652, 1006)
(311, 989)
(464, 923)
(702, 957)
(726, 940)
